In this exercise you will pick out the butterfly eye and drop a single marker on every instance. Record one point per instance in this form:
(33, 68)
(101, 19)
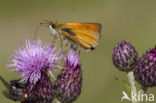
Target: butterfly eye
(53, 26)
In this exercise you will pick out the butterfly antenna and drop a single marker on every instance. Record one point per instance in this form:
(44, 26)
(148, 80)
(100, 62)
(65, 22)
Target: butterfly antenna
(36, 31)
(6, 84)
(45, 22)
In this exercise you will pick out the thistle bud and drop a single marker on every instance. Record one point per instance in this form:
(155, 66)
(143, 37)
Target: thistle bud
(125, 56)
(145, 71)
(69, 81)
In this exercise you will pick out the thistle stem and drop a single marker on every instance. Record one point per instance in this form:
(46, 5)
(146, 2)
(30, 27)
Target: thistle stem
(131, 79)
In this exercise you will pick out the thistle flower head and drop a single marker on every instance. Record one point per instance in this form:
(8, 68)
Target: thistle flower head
(33, 59)
(125, 56)
(68, 84)
(72, 59)
(145, 71)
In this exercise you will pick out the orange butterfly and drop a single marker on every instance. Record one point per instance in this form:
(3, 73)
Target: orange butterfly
(86, 35)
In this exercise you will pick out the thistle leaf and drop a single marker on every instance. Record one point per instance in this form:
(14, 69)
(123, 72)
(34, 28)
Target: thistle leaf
(125, 84)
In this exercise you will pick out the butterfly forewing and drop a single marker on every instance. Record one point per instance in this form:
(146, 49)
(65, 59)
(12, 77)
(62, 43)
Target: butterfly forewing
(86, 35)
(90, 26)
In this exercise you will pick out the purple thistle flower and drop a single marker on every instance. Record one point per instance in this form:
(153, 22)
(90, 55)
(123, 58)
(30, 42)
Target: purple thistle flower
(145, 71)
(34, 59)
(68, 84)
(33, 62)
(125, 56)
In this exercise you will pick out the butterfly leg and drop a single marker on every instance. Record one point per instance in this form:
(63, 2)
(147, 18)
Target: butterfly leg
(61, 42)
(54, 37)
(66, 45)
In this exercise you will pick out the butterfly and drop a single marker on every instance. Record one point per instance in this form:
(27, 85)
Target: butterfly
(86, 35)
(15, 90)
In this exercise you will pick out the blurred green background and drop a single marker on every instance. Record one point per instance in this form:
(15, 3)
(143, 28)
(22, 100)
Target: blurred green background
(130, 20)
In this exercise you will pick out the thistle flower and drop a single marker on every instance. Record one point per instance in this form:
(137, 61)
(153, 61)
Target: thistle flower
(68, 84)
(33, 62)
(145, 71)
(125, 56)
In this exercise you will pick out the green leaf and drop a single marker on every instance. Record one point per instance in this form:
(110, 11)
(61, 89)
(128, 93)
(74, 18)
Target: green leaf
(126, 85)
